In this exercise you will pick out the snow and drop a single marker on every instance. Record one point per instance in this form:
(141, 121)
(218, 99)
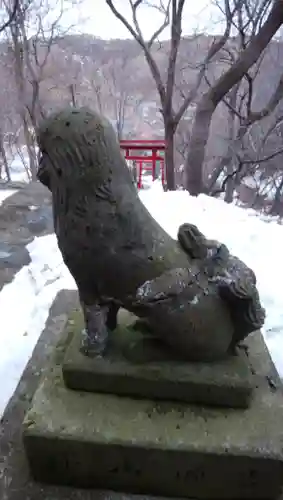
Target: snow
(17, 169)
(18, 174)
(5, 193)
(29, 295)
(255, 239)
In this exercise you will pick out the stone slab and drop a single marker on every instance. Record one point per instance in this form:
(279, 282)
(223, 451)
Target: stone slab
(159, 448)
(135, 366)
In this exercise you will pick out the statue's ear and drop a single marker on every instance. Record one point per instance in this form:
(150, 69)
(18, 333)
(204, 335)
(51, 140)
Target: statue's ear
(192, 241)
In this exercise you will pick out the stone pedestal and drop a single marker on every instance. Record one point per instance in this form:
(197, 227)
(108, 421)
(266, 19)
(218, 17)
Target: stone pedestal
(155, 447)
(136, 366)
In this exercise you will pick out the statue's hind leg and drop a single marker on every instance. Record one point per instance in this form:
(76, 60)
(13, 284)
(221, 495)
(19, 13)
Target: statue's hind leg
(99, 319)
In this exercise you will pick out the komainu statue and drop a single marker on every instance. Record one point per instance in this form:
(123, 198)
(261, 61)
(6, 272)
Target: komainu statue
(192, 293)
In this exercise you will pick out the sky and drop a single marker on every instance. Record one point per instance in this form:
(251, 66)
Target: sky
(95, 17)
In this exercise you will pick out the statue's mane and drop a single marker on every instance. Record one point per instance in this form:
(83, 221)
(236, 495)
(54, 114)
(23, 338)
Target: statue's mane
(69, 139)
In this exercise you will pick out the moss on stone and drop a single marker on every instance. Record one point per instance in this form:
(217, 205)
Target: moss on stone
(150, 447)
(138, 364)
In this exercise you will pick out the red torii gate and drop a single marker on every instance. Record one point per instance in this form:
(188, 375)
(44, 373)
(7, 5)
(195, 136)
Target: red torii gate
(145, 162)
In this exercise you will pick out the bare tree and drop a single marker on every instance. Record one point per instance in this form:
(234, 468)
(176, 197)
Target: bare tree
(9, 121)
(16, 49)
(270, 17)
(172, 16)
(4, 159)
(265, 160)
(109, 86)
(37, 50)
(259, 167)
(119, 78)
(30, 55)
(173, 11)
(241, 123)
(236, 162)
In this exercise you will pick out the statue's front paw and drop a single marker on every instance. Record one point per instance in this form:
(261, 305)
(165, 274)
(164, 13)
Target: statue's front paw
(92, 344)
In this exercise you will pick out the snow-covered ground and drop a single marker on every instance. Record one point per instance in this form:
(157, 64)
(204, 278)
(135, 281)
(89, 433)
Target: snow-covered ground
(24, 306)
(17, 170)
(5, 193)
(255, 239)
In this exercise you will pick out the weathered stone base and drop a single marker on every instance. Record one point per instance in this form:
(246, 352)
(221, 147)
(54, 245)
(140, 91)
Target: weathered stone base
(137, 366)
(162, 448)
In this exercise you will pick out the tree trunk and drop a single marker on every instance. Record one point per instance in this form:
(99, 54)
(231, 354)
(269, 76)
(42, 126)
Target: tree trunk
(216, 171)
(199, 138)
(231, 184)
(30, 149)
(72, 93)
(4, 158)
(169, 156)
(275, 208)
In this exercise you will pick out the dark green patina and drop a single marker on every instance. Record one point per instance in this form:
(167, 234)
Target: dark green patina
(136, 365)
(166, 448)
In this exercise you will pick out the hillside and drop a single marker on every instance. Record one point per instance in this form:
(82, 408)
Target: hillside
(114, 74)
(113, 77)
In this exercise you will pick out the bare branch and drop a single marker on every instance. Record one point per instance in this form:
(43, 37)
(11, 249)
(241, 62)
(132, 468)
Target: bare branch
(228, 177)
(272, 128)
(239, 169)
(210, 99)
(214, 49)
(176, 31)
(271, 105)
(12, 15)
(265, 159)
(166, 22)
(137, 35)
(250, 55)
